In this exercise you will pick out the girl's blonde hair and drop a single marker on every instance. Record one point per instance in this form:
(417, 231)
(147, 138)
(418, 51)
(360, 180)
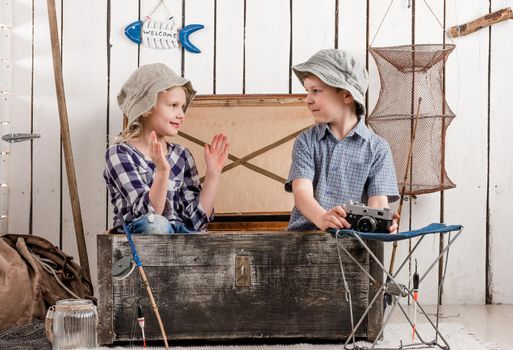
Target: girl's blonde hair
(133, 130)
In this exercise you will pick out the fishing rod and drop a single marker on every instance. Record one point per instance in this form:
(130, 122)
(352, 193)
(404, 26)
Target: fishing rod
(146, 284)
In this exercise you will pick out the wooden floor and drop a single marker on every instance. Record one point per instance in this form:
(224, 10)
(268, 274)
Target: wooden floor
(491, 323)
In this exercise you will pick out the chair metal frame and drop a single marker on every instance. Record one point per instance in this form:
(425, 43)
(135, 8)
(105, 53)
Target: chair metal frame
(393, 288)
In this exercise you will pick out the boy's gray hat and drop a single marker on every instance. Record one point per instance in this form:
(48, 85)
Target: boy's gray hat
(340, 69)
(139, 93)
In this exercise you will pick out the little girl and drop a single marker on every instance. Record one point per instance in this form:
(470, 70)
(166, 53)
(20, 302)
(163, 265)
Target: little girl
(155, 185)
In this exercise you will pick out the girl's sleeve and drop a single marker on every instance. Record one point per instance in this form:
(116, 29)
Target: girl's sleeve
(126, 176)
(194, 215)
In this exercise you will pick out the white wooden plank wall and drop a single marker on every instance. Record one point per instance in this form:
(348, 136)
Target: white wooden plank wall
(466, 90)
(229, 47)
(48, 188)
(5, 93)
(500, 179)
(267, 46)
(88, 124)
(396, 29)
(313, 29)
(248, 47)
(19, 115)
(426, 208)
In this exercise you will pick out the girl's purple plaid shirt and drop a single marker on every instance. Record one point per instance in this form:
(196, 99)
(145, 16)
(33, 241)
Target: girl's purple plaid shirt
(129, 177)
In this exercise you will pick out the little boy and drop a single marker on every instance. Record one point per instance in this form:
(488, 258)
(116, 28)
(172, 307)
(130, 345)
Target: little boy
(339, 159)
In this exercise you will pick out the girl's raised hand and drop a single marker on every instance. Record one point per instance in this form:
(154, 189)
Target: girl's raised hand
(216, 153)
(157, 154)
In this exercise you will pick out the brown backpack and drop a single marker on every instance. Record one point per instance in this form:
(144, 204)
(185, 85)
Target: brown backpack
(34, 274)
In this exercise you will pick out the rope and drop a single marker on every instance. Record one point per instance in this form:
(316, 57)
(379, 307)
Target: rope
(409, 5)
(51, 270)
(382, 20)
(437, 19)
(159, 3)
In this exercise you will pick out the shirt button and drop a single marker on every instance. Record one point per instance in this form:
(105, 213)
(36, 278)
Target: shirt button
(330, 193)
(335, 168)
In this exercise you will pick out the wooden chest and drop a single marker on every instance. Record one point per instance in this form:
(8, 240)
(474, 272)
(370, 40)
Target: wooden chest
(232, 285)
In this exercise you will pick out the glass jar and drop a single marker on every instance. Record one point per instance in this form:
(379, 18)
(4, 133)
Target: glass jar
(71, 324)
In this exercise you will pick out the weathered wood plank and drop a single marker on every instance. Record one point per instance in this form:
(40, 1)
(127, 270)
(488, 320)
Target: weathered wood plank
(295, 286)
(248, 226)
(104, 268)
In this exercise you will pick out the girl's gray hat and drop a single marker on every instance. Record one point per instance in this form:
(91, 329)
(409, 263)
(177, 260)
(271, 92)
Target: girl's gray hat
(340, 69)
(139, 93)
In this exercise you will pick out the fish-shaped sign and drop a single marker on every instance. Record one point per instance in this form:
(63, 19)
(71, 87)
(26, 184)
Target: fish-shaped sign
(162, 34)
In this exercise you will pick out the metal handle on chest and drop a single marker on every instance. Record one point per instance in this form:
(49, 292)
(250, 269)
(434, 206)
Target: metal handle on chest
(242, 271)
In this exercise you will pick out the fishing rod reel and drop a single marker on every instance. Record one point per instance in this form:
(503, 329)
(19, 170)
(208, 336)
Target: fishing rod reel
(123, 268)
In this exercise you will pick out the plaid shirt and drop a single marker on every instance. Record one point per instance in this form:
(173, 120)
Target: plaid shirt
(129, 177)
(355, 168)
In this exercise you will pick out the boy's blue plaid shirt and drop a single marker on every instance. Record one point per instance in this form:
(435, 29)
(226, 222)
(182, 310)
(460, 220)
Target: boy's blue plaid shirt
(355, 168)
(129, 177)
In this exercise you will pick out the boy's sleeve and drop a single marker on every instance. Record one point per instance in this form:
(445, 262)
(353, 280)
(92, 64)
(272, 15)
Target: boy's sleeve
(382, 180)
(195, 216)
(124, 174)
(303, 166)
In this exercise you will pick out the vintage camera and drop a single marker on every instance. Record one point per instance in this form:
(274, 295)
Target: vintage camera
(365, 219)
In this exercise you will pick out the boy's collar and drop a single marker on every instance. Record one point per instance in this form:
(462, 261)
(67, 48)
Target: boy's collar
(360, 129)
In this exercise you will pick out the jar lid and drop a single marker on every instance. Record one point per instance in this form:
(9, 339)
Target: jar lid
(74, 304)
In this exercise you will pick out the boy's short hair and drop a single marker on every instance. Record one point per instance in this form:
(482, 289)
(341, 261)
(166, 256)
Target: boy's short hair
(139, 93)
(339, 69)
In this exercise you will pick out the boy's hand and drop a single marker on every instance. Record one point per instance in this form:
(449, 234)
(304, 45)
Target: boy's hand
(395, 226)
(157, 154)
(216, 153)
(333, 218)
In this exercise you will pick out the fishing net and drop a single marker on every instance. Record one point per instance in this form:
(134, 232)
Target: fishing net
(409, 73)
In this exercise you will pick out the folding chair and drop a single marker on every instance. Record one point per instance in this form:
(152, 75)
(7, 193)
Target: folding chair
(391, 286)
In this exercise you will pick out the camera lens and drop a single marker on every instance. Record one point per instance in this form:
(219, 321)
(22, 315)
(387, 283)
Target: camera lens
(366, 224)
